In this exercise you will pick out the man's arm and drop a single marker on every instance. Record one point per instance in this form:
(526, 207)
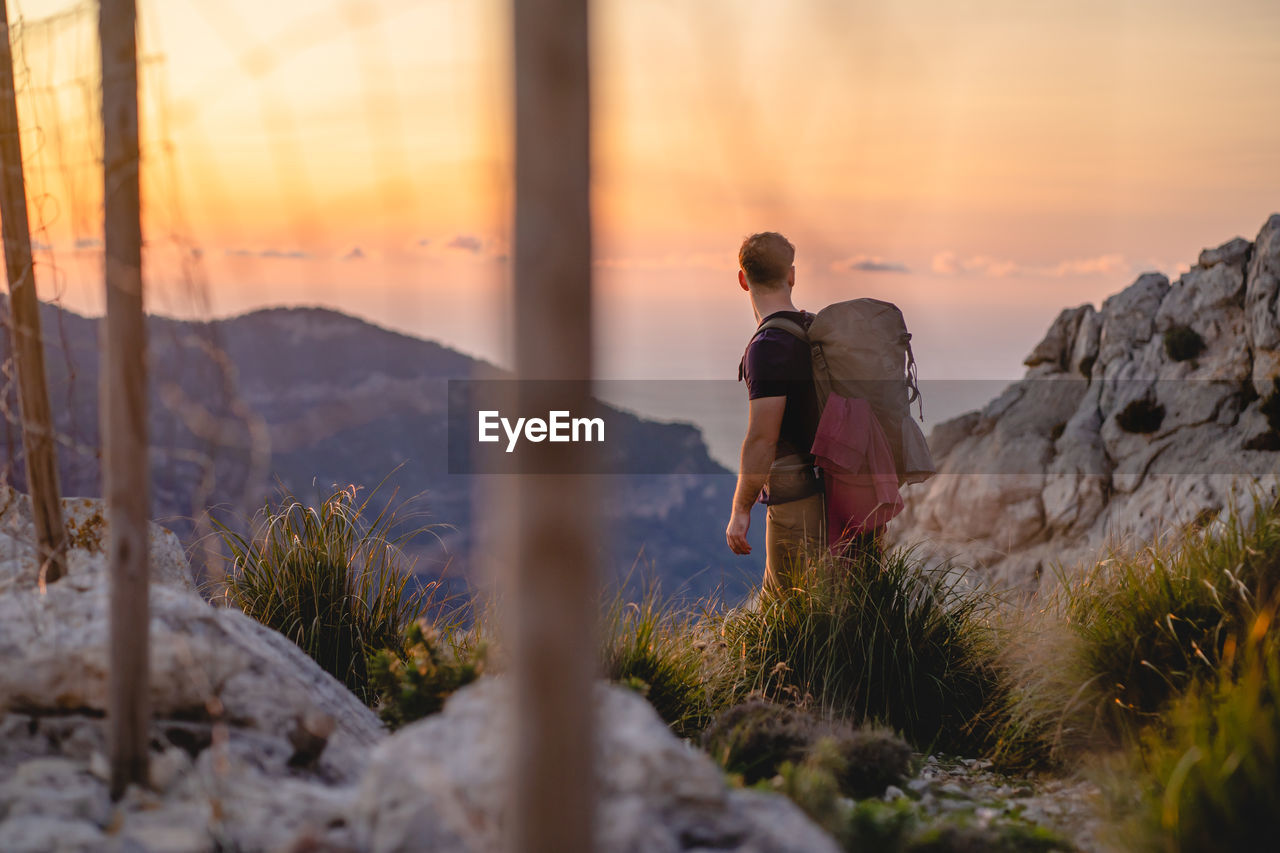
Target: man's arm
(764, 421)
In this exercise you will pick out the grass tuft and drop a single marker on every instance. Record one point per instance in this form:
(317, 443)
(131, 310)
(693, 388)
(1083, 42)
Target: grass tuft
(1109, 650)
(877, 638)
(659, 650)
(330, 578)
(1209, 775)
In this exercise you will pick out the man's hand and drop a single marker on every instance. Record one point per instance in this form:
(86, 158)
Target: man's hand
(736, 532)
(764, 422)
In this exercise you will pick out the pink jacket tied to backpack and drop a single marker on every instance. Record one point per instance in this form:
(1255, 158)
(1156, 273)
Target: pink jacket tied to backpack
(858, 467)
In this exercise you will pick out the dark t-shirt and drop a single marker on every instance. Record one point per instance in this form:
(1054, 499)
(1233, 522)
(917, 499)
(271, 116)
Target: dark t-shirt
(777, 364)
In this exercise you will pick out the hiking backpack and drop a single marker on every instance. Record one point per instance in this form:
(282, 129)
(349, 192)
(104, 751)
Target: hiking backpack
(861, 348)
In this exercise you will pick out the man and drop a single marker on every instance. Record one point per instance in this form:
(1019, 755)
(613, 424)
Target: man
(776, 465)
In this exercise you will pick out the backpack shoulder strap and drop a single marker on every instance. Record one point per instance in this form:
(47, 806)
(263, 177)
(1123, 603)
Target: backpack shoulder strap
(791, 327)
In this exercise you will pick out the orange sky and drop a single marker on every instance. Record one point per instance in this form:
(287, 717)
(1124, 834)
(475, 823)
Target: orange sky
(982, 164)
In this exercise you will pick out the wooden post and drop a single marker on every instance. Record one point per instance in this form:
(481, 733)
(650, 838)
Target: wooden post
(124, 402)
(554, 591)
(28, 345)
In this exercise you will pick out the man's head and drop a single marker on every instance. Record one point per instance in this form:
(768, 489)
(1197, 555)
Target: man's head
(765, 262)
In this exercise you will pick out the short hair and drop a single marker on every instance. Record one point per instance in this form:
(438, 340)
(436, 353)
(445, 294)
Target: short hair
(766, 258)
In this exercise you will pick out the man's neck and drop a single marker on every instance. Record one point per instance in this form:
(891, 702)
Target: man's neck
(771, 303)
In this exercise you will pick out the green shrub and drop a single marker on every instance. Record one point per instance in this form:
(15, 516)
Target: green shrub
(1182, 343)
(413, 680)
(872, 638)
(659, 651)
(329, 578)
(754, 738)
(873, 759)
(1209, 777)
(1141, 416)
(1151, 624)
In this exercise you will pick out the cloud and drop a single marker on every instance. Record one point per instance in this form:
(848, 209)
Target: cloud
(466, 243)
(869, 263)
(269, 254)
(424, 242)
(950, 263)
(356, 254)
(716, 261)
(84, 243)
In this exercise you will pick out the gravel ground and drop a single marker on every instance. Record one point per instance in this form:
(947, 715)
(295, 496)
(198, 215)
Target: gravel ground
(948, 785)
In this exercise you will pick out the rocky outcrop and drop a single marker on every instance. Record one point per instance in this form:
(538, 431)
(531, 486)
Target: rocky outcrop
(255, 748)
(226, 695)
(440, 785)
(1132, 420)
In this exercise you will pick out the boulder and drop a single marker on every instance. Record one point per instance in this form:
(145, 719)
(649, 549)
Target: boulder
(86, 524)
(1128, 317)
(1234, 251)
(226, 694)
(208, 665)
(1059, 342)
(440, 784)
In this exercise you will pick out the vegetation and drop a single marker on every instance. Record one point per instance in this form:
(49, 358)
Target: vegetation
(1141, 416)
(659, 651)
(872, 638)
(1270, 406)
(755, 738)
(902, 825)
(1210, 775)
(1182, 343)
(331, 578)
(1168, 658)
(414, 679)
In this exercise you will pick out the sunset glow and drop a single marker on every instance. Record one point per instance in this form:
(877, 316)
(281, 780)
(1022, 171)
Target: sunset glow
(982, 165)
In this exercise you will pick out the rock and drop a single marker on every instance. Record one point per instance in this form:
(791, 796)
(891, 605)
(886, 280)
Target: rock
(440, 784)
(1128, 318)
(1084, 351)
(1058, 344)
(37, 834)
(1234, 251)
(1261, 292)
(253, 746)
(1047, 473)
(86, 526)
(207, 664)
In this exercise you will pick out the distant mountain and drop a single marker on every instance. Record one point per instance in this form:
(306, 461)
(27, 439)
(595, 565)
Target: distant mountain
(307, 398)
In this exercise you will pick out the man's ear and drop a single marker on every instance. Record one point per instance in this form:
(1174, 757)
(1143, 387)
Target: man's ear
(742, 281)
(791, 276)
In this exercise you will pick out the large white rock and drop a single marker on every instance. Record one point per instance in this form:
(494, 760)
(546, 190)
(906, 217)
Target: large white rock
(87, 528)
(440, 784)
(226, 693)
(207, 663)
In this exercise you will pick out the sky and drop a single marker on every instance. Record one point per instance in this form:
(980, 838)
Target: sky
(982, 164)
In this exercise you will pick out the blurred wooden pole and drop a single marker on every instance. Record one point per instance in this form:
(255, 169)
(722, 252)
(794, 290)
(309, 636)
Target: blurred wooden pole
(554, 597)
(124, 401)
(28, 345)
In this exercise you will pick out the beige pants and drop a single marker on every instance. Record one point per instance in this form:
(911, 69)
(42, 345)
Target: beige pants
(790, 529)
